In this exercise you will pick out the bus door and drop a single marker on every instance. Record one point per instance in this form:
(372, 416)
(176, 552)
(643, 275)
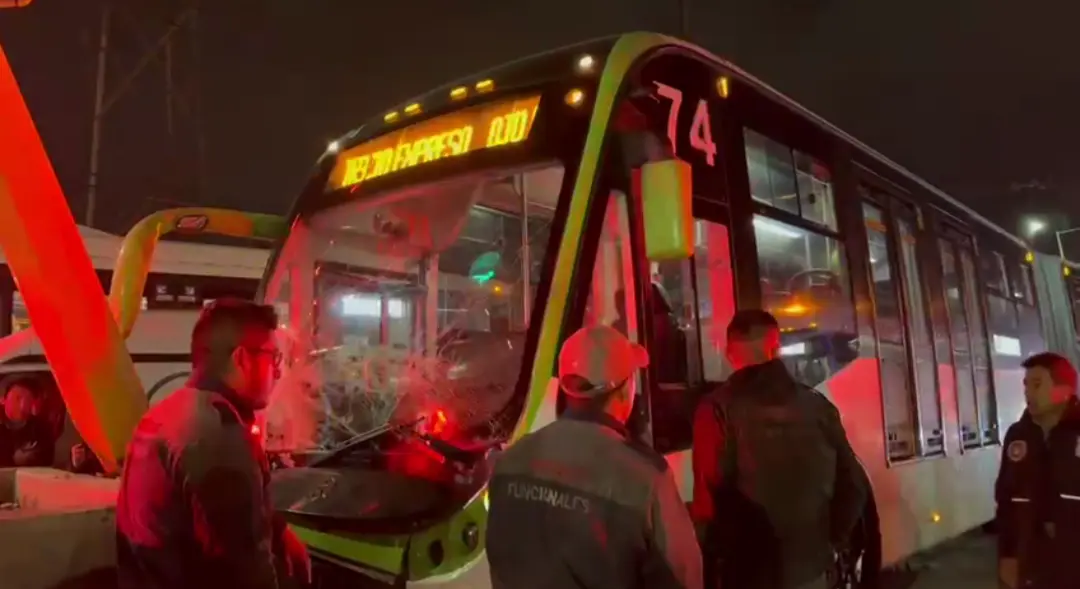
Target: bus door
(682, 308)
(687, 307)
(674, 108)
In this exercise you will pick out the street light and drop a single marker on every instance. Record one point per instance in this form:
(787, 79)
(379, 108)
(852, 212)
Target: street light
(1037, 226)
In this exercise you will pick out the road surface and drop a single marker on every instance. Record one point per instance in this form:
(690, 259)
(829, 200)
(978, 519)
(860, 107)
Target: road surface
(966, 563)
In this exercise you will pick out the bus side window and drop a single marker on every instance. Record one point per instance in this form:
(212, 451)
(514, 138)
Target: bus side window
(20, 317)
(803, 266)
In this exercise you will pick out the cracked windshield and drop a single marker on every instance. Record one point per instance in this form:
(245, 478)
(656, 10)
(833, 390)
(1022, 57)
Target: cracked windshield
(410, 308)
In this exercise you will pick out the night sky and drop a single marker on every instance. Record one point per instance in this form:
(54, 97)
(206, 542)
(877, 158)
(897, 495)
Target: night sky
(977, 96)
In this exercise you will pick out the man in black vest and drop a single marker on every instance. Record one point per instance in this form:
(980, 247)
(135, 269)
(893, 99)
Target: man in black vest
(776, 483)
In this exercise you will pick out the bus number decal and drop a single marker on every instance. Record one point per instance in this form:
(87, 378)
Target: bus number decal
(700, 129)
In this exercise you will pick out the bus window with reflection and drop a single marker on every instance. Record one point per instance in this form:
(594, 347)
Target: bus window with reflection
(963, 362)
(20, 317)
(1021, 280)
(789, 180)
(805, 285)
(897, 393)
(985, 399)
(714, 277)
(1028, 317)
(608, 303)
(421, 303)
(1000, 303)
(612, 294)
(1072, 285)
(689, 333)
(993, 270)
(697, 296)
(922, 343)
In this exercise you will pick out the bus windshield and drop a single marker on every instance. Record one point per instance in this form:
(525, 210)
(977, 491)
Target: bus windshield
(410, 305)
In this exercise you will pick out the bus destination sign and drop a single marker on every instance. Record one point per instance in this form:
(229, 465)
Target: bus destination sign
(486, 126)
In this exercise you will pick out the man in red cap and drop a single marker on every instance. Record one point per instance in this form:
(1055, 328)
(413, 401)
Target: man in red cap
(579, 504)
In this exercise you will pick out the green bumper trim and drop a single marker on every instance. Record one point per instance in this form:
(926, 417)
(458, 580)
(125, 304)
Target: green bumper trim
(387, 553)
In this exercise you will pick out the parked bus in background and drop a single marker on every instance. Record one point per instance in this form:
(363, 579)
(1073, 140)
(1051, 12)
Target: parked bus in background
(184, 276)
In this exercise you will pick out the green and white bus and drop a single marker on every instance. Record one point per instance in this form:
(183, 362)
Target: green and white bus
(441, 253)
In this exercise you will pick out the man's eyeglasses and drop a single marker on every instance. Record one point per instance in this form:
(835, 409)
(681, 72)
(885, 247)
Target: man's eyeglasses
(275, 354)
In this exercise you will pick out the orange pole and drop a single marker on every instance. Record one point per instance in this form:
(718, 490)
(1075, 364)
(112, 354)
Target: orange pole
(57, 281)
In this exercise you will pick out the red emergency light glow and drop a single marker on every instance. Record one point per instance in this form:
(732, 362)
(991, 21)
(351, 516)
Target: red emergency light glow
(438, 424)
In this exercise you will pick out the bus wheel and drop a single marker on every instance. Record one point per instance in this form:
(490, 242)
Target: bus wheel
(858, 565)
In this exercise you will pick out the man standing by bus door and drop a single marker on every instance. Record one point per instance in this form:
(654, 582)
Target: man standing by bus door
(579, 504)
(1038, 485)
(776, 484)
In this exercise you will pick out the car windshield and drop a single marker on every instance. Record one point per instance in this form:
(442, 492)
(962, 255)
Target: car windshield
(410, 305)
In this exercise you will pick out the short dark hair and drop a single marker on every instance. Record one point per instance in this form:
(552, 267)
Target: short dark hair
(1062, 372)
(223, 326)
(751, 324)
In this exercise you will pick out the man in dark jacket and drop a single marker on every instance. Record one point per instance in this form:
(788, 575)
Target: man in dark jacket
(776, 483)
(578, 504)
(194, 510)
(1038, 486)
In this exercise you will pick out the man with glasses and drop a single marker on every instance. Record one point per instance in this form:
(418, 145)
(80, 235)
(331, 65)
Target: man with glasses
(194, 507)
(580, 504)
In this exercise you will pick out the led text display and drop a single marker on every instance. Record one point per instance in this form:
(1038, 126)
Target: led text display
(452, 135)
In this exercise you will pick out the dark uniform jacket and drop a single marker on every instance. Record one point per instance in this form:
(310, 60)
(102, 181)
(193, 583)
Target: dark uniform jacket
(775, 480)
(193, 511)
(575, 505)
(1038, 501)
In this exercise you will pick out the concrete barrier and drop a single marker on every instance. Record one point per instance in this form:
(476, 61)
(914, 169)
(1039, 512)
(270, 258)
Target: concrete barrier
(63, 527)
(50, 490)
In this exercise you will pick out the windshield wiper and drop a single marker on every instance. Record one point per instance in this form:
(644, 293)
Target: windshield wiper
(364, 437)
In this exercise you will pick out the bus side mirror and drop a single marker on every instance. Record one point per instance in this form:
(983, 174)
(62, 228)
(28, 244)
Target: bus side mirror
(666, 192)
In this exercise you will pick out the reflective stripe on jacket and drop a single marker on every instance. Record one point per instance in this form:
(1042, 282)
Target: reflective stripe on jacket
(1038, 500)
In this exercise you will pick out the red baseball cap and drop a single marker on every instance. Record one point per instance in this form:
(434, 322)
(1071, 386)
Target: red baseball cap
(596, 360)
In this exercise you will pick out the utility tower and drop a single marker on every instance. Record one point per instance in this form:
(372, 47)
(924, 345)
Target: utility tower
(684, 19)
(146, 139)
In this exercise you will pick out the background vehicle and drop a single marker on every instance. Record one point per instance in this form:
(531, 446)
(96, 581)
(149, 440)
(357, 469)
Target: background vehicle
(183, 277)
